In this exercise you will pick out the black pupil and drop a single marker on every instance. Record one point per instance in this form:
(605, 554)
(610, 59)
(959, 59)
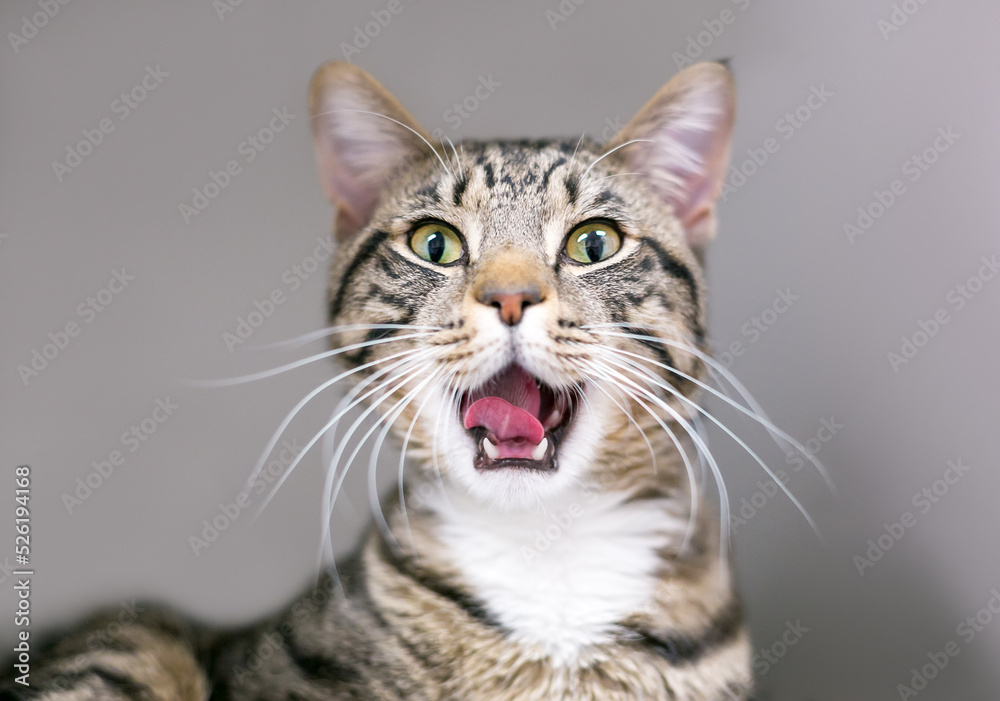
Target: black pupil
(594, 245)
(435, 246)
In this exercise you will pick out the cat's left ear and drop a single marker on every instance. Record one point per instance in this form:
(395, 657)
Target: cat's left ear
(363, 135)
(682, 145)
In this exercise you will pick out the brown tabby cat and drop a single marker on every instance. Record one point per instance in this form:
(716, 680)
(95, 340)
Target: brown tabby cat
(527, 318)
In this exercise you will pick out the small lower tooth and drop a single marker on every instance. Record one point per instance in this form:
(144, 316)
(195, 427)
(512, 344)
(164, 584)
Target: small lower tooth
(491, 450)
(539, 452)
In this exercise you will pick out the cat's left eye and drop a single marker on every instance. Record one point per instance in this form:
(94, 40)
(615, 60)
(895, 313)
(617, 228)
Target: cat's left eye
(437, 243)
(593, 242)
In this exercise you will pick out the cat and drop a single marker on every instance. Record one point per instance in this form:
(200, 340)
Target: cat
(527, 319)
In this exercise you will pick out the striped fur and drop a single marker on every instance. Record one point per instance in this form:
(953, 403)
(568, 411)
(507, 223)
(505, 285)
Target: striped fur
(592, 581)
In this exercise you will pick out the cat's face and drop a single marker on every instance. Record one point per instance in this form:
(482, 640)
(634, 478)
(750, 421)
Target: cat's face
(520, 300)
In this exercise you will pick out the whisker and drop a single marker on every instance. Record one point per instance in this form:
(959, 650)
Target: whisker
(299, 363)
(619, 146)
(276, 436)
(326, 546)
(389, 418)
(299, 341)
(572, 159)
(458, 163)
(698, 441)
(693, 508)
(708, 360)
(652, 378)
(329, 488)
(402, 463)
(394, 121)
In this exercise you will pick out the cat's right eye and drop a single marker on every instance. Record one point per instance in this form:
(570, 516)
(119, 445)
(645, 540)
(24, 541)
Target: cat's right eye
(437, 243)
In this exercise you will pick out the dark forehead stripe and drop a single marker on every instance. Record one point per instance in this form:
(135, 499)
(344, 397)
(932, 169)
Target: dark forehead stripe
(460, 185)
(548, 173)
(572, 188)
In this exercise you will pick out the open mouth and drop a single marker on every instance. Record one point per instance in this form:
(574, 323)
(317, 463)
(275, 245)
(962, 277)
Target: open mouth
(517, 421)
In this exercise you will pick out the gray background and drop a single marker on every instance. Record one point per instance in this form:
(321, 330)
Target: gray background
(826, 357)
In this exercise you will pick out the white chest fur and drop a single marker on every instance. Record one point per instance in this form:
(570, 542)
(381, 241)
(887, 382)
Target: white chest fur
(560, 578)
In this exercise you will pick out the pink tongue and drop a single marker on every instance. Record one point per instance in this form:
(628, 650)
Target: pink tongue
(504, 421)
(507, 407)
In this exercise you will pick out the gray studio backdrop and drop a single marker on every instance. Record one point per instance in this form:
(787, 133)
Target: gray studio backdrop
(161, 222)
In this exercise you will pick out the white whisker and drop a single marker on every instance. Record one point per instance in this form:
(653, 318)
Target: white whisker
(276, 436)
(306, 338)
(394, 121)
(720, 483)
(608, 153)
(299, 363)
(708, 360)
(650, 377)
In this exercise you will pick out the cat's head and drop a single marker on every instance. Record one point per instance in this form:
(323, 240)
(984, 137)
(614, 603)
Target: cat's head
(522, 310)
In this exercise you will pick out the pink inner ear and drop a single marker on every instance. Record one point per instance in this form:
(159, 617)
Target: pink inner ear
(690, 128)
(359, 142)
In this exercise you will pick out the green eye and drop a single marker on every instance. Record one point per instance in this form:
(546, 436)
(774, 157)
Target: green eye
(437, 243)
(592, 243)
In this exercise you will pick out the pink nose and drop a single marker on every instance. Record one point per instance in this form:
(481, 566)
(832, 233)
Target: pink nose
(511, 304)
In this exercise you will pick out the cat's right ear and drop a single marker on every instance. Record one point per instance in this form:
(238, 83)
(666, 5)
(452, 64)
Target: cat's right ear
(362, 135)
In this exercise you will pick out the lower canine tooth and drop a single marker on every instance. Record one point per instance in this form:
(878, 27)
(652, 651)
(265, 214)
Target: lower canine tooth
(539, 452)
(491, 450)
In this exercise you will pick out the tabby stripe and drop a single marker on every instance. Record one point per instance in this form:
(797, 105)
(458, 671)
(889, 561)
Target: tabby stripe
(116, 681)
(363, 254)
(123, 684)
(548, 173)
(679, 648)
(661, 350)
(572, 189)
(456, 195)
(318, 667)
(427, 580)
(363, 354)
(673, 266)
(490, 179)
